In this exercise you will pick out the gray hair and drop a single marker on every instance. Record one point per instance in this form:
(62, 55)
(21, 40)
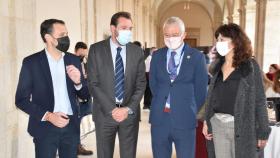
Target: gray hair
(177, 21)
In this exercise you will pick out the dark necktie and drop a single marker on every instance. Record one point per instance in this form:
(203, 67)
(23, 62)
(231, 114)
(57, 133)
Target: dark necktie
(172, 69)
(119, 75)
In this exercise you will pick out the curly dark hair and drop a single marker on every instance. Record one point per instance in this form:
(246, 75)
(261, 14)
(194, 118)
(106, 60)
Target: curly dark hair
(242, 44)
(276, 82)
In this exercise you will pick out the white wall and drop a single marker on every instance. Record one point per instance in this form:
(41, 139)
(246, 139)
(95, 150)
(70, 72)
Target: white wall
(66, 10)
(16, 41)
(272, 35)
(251, 20)
(196, 17)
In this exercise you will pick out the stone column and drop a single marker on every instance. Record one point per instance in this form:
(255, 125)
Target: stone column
(250, 20)
(218, 20)
(242, 14)
(84, 20)
(260, 30)
(230, 5)
(17, 40)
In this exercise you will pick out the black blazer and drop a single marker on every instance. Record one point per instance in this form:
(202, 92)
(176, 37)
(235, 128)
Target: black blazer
(35, 95)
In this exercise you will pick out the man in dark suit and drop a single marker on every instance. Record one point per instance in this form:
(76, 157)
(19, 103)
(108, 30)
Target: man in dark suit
(116, 77)
(48, 84)
(178, 81)
(81, 50)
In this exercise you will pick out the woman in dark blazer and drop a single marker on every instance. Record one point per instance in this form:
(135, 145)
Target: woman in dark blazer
(236, 122)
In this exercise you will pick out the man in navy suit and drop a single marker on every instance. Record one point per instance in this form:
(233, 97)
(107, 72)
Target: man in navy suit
(178, 81)
(49, 83)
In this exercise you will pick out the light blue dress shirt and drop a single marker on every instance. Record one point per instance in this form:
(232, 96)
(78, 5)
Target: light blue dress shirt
(114, 55)
(58, 74)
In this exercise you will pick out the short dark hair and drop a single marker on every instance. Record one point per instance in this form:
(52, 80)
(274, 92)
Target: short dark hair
(80, 45)
(274, 66)
(137, 43)
(242, 44)
(47, 27)
(116, 16)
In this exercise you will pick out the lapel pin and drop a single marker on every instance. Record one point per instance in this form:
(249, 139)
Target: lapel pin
(188, 57)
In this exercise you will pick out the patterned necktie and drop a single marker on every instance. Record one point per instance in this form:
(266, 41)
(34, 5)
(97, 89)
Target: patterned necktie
(172, 69)
(119, 75)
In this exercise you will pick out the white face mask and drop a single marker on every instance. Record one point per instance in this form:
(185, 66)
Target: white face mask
(124, 37)
(173, 42)
(222, 48)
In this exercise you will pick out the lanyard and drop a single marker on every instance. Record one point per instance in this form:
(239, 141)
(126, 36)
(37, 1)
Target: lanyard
(180, 60)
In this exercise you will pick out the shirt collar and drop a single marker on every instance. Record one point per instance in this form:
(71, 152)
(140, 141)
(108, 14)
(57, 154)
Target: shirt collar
(114, 45)
(49, 56)
(178, 50)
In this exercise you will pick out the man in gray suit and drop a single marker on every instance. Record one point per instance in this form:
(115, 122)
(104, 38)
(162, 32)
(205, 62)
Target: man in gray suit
(116, 76)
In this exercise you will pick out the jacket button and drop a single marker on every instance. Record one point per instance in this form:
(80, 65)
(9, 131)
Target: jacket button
(165, 97)
(237, 136)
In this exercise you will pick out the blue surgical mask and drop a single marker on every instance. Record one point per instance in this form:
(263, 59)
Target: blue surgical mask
(124, 37)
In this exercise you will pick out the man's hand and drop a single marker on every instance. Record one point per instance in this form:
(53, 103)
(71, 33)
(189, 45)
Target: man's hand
(120, 114)
(205, 132)
(58, 119)
(74, 74)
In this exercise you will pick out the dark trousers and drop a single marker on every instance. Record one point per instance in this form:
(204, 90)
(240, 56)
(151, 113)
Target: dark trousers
(148, 93)
(106, 131)
(164, 135)
(64, 140)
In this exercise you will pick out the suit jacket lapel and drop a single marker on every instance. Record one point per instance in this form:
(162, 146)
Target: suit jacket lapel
(109, 64)
(164, 63)
(68, 80)
(46, 69)
(185, 61)
(129, 60)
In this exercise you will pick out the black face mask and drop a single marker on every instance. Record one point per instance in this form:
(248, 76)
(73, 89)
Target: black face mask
(63, 43)
(81, 58)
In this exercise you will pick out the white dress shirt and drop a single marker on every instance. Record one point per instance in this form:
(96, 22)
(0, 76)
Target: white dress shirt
(114, 55)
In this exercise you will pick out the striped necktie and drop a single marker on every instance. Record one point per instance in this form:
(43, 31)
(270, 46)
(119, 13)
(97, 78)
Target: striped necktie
(119, 75)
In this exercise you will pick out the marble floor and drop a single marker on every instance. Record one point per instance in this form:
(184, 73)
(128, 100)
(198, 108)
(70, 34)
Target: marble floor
(144, 139)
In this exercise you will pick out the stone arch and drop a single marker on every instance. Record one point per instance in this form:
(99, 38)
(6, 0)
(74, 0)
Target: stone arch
(212, 8)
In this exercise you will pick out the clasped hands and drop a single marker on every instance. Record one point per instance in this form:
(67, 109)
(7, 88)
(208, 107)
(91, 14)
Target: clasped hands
(120, 114)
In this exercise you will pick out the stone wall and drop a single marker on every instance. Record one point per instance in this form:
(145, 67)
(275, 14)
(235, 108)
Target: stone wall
(272, 34)
(16, 36)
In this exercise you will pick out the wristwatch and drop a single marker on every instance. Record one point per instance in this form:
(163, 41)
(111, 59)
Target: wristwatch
(130, 112)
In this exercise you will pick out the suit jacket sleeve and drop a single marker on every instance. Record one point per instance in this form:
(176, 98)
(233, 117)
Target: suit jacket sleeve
(200, 81)
(23, 98)
(152, 74)
(140, 84)
(83, 93)
(93, 82)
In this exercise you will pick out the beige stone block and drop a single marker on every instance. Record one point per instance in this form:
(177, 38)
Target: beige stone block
(4, 7)
(25, 141)
(12, 119)
(29, 11)
(4, 36)
(18, 8)
(11, 142)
